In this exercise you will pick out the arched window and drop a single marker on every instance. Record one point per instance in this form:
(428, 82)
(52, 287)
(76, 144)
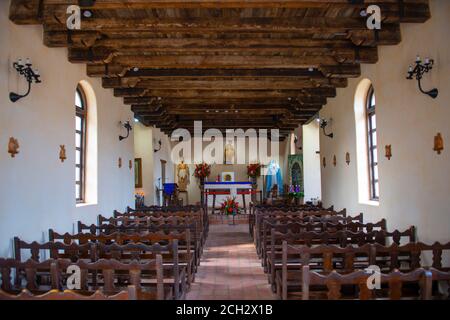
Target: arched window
(81, 112)
(372, 144)
(366, 144)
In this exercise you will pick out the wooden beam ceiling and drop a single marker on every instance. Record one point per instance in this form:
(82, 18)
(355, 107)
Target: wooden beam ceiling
(232, 64)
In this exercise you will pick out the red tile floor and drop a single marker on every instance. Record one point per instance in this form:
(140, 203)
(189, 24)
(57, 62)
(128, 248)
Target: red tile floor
(230, 268)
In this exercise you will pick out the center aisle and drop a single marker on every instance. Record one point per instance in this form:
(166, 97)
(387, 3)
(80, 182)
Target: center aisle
(230, 268)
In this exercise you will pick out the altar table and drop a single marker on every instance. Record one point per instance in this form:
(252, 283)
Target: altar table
(221, 190)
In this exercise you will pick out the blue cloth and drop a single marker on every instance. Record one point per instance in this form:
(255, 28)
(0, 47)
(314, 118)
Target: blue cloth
(274, 177)
(169, 188)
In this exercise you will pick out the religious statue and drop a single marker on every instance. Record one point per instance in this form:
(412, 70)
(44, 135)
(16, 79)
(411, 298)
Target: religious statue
(229, 153)
(274, 177)
(183, 176)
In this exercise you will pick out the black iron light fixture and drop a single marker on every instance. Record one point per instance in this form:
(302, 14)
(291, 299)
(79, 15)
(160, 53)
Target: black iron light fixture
(128, 127)
(86, 3)
(26, 70)
(156, 149)
(323, 123)
(418, 71)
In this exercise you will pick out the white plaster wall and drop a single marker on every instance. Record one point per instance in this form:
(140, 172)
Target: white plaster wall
(37, 191)
(311, 160)
(151, 161)
(415, 183)
(144, 149)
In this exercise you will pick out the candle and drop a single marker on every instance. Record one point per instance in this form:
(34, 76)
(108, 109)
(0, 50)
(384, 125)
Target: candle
(36, 72)
(20, 62)
(418, 58)
(427, 60)
(410, 69)
(28, 61)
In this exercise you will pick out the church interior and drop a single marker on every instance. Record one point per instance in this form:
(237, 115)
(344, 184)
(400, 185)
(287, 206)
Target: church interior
(224, 150)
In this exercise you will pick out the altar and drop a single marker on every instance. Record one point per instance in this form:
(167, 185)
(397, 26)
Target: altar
(217, 192)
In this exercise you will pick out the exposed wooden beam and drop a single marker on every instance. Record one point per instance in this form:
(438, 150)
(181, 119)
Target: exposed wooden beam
(413, 10)
(227, 61)
(26, 11)
(331, 71)
(213, 25)
(340, 55)
(220, 84)
(197, 40)
(221, 102)
(231, 94)
(255, 63)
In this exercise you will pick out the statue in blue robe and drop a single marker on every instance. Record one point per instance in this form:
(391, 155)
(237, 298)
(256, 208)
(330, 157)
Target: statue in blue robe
(274, 177)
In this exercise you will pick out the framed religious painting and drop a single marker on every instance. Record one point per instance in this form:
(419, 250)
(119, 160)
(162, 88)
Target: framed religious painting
(138, 173)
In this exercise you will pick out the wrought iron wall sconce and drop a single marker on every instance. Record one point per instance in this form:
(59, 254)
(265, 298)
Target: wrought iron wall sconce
(25, 69)
(323, 124)
(127, 126)
(296, 141)
(159, 145)
(418, 71)
(86, 3)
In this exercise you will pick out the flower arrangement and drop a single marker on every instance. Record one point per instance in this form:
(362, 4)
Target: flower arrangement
(254, 170)
(202, 170)
(294, 192)
(230, 206)
(139, 199)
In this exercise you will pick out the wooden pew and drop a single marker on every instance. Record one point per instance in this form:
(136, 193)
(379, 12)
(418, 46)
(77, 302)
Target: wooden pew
(185, 247)
(41, 277)
(166, 208)
(326, 258)
(341, 238)
(129, 294)
(266, 207)
(147, 221)
(176, 271)
(320, 227)
(138, 229)
(73, 252)
(302, 216)
(204, 221)
(54, 250)
(332, 285)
